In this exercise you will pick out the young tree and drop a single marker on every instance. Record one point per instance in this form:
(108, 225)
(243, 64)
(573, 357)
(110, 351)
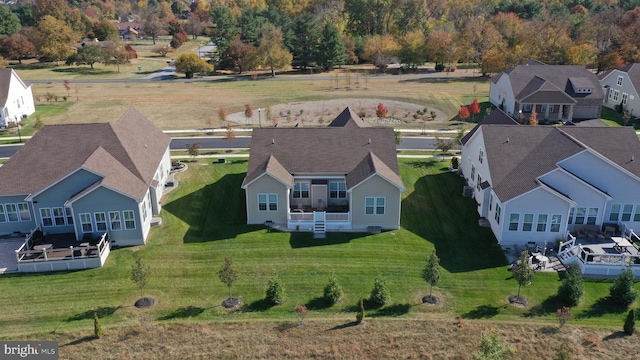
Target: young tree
(443, 144)
(163, 50)
(379, 294)
(564, 314)
(117, 55)
(275, 291)
(89, 55)
(464, 113)
(360, 312)
(190, 63)
(492, 347)
(222, 114)
(474, 109)
(301, 312)
(228, 274)
(332, 291)
(193, 25)
(381, 111)
(431, 272)
(139, 274)
(523, 274)
(272, 53)
(572, 287)
(332, 49)
(97, 327)
(194, 150)
(237, 55)
(230, 136)
(623, 291)
(152, 25)
(533, 118)
(629, 327)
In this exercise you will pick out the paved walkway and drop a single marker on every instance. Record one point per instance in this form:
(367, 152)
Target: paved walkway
(8, 261)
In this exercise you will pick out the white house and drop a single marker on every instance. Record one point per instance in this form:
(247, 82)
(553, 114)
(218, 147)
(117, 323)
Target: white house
(536, 183)
(555, 92)
(16, 98)
(620, 88)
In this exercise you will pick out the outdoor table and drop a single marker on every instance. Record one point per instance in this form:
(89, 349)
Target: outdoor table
(542, 260)
(43, 247)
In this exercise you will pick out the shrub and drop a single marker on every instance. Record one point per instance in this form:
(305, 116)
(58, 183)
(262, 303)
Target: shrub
(38, 124)
(301, 312)
(455, 162)
(381, 111)
(622, 291)
(333, 290)
(360, 313)
(248, 113)
(97, 327)
(380, 293)
(275, 291)
(630, 324)
(564, 314)
(572, 287)
(439, 67)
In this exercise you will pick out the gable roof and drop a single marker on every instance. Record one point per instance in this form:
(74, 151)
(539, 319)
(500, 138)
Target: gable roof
(126, 154)
(497, 117)
(632, 70)
(5, 80)
(343, 148)
(553, 80)
(518, 155)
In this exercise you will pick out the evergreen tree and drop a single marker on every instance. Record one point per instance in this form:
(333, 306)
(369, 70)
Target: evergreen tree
(572, 287)
(333, 52)
(275, 291)
(224, 30)
(97, 327)
(333, 290)
(379, 293)
(431, 272)
(360, 313)
(630, 324)
(622, 291)
(306, 40)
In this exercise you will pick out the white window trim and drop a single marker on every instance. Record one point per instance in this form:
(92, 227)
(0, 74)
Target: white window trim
(28, 211)
(95, 219)
(375, 205)
(268, 202)
(338, 190)
(62, 216)
(301, 190)
(82, 222)
(111, 221)
(50, 217)
(620, 80)
(533, 218)
(616, 95)
(3, 216)
(133, 218)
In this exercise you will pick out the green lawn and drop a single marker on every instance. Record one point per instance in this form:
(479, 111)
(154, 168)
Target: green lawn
(204, 221)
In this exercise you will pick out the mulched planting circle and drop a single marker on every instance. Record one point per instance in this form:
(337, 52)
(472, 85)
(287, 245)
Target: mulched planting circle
(429, 299)
(518, 301)
(144, 302)
(231, 302)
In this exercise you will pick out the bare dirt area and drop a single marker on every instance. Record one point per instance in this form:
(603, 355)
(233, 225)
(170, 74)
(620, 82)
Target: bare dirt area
(341, 339)
(316, 113)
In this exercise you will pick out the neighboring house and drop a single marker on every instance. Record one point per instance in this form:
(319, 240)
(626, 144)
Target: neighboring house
(536, 183)
(556, 92)
(16, 98)
(129, 30)
(341, 177)
(87, 179)
(620, 88)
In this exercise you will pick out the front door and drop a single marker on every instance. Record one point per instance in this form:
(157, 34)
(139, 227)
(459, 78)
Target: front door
(319, 196)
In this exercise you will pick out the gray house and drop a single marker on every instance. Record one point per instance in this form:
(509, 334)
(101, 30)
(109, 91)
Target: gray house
(341, 177)
(620, 88)
(555, 92)
(87, 180)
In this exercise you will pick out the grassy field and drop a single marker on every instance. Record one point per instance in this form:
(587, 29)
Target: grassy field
(204, 221)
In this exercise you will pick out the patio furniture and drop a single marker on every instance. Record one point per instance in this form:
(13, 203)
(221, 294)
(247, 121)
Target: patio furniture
(42, 247)
(609, 232)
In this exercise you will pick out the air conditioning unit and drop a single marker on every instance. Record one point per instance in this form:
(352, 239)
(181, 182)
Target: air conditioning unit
(467, 191)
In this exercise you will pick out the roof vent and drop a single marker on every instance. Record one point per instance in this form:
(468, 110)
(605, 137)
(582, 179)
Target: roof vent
(633, 157)
(273, 141)
(507, 139)
(369, 142)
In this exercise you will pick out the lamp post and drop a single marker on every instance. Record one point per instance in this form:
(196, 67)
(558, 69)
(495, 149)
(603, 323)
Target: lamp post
(199, 47)
(260, 117)
(19, 135)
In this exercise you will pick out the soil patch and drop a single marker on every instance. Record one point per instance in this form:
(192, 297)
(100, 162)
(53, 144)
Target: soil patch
(231, 303)
(145, 302)
(315, 113)
(430, 299)
(518, 301)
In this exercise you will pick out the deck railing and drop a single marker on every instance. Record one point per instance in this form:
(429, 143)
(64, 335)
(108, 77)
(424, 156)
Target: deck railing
(308, 216)
(73, 252)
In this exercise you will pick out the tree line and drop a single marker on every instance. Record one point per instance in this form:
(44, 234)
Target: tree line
(495, 34)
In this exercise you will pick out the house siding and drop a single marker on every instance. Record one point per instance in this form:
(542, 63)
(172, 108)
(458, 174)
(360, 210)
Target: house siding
(266, 185)
(538, 201)
(11, 110)
(633, 104)
(375, 186)
(501, 92)
(470, 158)
(10, 227)
(56, 195)
(104, 200)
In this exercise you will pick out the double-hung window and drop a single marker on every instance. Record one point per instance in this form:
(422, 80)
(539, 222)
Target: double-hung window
(542, 223)
(337, 190)
(614, 215)
(616, 95)
(620, 79)
(636, 214)
(47, 218)
(301, 190)
(625, 96)
(12, 212)
(481, 156)
(25, 214)
(58, 216)
(627, 209)
(571, 213)
(514, 219)
(129, 220)
(556, 219)
(85, 221)
(3, 217)
(268, 202)
(374, 205)
(497, 215)
(69, 214)
(527, 223)
(592, 216)
(114, 220)
(580, 214)
(101, 221)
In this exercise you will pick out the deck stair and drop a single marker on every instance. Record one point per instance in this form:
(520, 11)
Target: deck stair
(319, 224)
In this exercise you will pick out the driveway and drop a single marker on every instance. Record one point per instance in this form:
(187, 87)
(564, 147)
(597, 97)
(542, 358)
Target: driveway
(8, 261)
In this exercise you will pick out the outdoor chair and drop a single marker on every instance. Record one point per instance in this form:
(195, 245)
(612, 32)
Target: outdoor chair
(609, 231)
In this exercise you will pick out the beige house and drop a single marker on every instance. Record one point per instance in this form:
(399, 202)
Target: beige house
(341, 177)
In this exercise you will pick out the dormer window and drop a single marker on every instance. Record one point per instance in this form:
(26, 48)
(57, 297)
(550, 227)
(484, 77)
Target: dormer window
(620, 79)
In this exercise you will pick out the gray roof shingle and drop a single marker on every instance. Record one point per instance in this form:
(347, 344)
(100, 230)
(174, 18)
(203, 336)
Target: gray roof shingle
(333, 150)
(125, 153)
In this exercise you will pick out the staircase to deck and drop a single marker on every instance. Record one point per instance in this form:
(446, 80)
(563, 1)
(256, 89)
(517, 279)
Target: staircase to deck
(319, 224)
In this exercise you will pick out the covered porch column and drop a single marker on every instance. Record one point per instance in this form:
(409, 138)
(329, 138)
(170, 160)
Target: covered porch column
(570, 113)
